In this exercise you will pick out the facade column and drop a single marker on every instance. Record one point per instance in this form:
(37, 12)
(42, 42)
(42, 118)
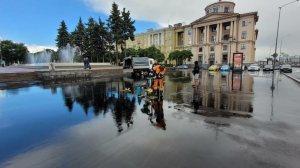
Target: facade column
(221, 32)
(149, 36)
(158, 39)
(218, 33)
(231, 29)
(152, 39)
(196, 35)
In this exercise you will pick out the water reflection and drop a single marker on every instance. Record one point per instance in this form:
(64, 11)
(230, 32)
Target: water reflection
(217, 90)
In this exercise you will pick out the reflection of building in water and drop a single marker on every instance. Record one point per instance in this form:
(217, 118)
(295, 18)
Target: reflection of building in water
(175, 82)
(217, 91)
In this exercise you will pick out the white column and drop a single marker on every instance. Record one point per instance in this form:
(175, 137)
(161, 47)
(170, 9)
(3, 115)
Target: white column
(221, 32)
(149, 40)
(163, 38)
(231, 29)
(218, 32)
(196, 35)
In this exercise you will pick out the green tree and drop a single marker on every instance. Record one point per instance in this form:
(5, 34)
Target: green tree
(102, 38)
(131, 52)
(109, 42)
(153, 52)
(175, 55)
(89, 34)
(77, 36)
(128, 28)
(115, 25)
(63, 37)
(13, 52)
(186, 54)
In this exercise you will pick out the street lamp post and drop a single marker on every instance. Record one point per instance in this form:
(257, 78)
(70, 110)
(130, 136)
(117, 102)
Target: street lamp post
(275, 54)
(281, 43)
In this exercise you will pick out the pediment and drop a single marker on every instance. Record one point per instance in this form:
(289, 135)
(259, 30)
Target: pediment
(213, 16)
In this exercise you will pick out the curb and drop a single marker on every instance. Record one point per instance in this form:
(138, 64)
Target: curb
(295, 79)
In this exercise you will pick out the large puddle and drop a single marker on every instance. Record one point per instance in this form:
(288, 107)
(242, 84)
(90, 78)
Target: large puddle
(58, 119)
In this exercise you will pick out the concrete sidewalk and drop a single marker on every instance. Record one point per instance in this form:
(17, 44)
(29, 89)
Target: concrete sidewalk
(295, 75)
(15, 69)
(17, 74)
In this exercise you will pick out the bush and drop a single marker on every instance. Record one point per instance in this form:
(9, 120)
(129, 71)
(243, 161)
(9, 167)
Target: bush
(168, 65)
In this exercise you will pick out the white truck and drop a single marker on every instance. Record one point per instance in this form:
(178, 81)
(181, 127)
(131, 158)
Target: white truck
(138, 65)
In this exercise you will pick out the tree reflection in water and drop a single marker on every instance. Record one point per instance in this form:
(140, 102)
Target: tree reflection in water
(123, 108)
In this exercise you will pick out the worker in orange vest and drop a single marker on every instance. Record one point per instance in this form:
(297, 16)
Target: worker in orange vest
(160, 70)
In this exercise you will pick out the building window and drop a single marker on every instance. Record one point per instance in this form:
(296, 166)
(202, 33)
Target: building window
(244, 56)
(202, 39)
(201, 30)
(244, 23)
(244, 34)
(226, 37)
(243, 46)
(189, 41)
(225, 47)
(214, 29)
(190, 32)
(212, 56)
(170, 41)
(227, 27)
(212, 48)
(200, 49)
(213, 38)
(207, 12)
(226, 9)
(200, 58)
(215, 10)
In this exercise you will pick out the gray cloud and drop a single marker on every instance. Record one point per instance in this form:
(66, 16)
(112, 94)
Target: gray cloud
(164, 12)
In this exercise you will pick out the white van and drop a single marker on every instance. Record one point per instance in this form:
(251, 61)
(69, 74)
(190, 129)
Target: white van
(151, 62)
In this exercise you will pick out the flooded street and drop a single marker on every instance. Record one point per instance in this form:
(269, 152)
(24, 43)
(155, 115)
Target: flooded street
(239, 120)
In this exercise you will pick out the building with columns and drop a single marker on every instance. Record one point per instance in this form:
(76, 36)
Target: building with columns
(214, 37)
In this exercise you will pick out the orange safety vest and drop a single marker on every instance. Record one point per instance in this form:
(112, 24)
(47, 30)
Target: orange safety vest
(158, 71)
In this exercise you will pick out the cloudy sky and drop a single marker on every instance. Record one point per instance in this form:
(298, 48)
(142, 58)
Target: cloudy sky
(35, 22)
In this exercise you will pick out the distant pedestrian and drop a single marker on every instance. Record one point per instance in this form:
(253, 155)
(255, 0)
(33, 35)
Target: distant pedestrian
(84, 63)
(2, 63)
(196, 72)
(88, 63)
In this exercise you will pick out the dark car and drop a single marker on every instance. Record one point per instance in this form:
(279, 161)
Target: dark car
(268, 68)
(286, 68)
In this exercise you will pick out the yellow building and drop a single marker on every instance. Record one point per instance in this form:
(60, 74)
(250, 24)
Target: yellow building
(220, 33)
(212, 38)
(163, 39)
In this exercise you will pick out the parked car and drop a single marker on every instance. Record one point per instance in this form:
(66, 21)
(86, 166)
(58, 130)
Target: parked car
(254, 67)
(182, 67)
(268, 68)
(225, 68)
(286, 68)
(214, 68)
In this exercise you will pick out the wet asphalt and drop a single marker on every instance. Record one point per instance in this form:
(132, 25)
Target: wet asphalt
(248, 120)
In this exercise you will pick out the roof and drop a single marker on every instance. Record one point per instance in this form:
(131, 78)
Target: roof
(222, 15)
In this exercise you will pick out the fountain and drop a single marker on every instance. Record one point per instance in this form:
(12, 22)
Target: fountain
(67, 54)
(40, 57)
(65, 59)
